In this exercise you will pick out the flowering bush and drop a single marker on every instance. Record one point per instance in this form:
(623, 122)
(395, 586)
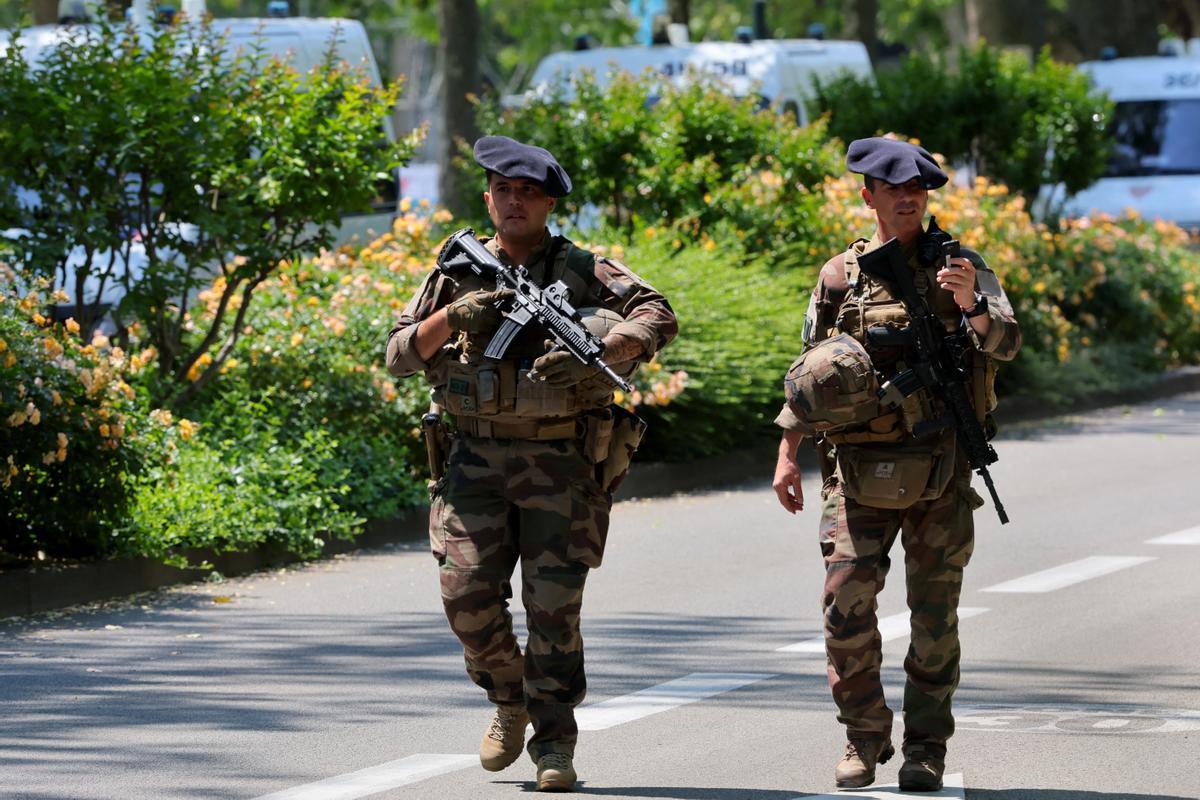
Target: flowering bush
(311, 359)
(73, 432)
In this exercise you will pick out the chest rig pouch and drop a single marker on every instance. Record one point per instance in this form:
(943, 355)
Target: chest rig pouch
(500, 390)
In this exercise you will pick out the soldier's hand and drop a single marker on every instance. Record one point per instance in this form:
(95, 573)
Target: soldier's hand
(959, 279)
(787, 484)
(477, 312)
(561, 370)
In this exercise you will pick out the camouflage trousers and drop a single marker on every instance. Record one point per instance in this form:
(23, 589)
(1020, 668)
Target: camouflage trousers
(505, 501)
(937, 537)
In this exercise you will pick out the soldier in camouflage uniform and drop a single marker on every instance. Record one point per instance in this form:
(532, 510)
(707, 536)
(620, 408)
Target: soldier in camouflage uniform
(535, 453)
(880, 481)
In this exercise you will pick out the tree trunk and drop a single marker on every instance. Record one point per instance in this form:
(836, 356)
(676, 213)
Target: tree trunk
(1182, 17)
(1012, 22)
(45, 12)
(1088, 26)
(862, 22)
(458, 59)
(679, 11)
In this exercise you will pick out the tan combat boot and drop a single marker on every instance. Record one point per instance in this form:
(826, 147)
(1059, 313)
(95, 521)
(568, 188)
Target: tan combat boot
(923, 768)
(857, 767)
(555, 773)
(505, 738)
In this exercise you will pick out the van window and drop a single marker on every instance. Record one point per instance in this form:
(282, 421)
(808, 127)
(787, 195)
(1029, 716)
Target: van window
(1155, 137)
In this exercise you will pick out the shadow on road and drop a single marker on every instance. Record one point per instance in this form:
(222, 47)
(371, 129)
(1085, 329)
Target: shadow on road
(1062, 794)
(672, 792)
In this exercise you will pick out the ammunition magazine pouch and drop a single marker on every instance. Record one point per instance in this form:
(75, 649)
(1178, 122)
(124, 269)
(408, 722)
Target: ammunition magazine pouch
(537, 430)
(503, 391)
(891, 477)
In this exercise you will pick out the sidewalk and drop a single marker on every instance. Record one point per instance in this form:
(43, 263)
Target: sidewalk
(28, 591)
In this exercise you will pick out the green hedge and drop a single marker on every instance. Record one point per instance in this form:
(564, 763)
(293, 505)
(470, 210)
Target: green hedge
(1020, 124)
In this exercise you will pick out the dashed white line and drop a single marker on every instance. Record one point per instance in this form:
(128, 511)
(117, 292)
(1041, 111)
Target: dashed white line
(952, 789)
(1189, 536)
(373, 780)
(663, 697)
(1069, 574)
(890, 627)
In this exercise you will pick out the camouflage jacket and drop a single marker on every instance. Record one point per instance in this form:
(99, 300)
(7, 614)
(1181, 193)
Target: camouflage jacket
(833, 293)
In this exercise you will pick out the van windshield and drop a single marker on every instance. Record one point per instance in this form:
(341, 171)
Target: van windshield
(1155, 137)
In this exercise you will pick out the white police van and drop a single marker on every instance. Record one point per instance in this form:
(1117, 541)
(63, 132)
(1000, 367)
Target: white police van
(303, 43)
(779, 71)
(1155, 166)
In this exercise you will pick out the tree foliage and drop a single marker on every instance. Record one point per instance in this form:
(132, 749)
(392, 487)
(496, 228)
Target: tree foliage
(1020, 124)
(174, 159)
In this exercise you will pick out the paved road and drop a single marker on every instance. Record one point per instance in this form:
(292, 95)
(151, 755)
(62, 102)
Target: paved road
(1080, 682)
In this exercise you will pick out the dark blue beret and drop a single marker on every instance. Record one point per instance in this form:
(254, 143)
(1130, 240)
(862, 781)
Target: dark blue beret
(510, 158)
(894, 162)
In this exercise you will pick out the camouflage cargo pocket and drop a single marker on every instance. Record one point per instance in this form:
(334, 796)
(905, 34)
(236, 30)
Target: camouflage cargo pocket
(437, 519)
(589, 523)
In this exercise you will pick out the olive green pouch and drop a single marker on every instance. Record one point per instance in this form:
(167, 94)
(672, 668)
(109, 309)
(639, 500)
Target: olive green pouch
(627, 432)
(891, 477)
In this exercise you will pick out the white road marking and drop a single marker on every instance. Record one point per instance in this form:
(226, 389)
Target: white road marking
(952, 789)
(1119, 720)
(373, 780)
(1189, 536)
(1069, 574)
(663, 697)
(892, 627)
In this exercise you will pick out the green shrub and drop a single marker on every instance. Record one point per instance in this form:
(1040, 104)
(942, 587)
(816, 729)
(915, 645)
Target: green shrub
(691, 158)
(271, 487)
(312, 360)
(1023, 125)
(739, 329)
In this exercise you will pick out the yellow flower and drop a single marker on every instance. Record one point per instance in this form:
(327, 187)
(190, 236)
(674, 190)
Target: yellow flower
(187, 429)
(72, 325)
(3, 345)
(650, 232)
(35, 414)
(405, 205)
(39, 320)
(104, 429)
(55, 397)
(17, 419)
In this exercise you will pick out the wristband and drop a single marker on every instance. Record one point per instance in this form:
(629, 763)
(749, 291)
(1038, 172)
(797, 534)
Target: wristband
(980, 307)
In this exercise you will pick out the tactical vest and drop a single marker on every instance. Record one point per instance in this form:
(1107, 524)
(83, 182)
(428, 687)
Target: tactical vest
(496, 398)
(866, 303)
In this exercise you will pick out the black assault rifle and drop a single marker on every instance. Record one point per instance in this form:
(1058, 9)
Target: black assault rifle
(550, 306)
(937, 364)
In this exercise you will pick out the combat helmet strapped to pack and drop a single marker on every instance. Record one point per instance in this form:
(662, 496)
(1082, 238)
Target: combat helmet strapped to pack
(833, 385)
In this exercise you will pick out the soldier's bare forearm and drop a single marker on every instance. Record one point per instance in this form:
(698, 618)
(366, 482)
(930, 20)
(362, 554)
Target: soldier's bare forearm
(981, 324)
(432, 333)
(618, 349)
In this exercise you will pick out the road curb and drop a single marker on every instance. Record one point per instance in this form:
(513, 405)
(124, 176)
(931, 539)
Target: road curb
(32, 590)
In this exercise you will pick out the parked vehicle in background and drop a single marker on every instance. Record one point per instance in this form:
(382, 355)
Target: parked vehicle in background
(779, 71)
(1155, 164)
